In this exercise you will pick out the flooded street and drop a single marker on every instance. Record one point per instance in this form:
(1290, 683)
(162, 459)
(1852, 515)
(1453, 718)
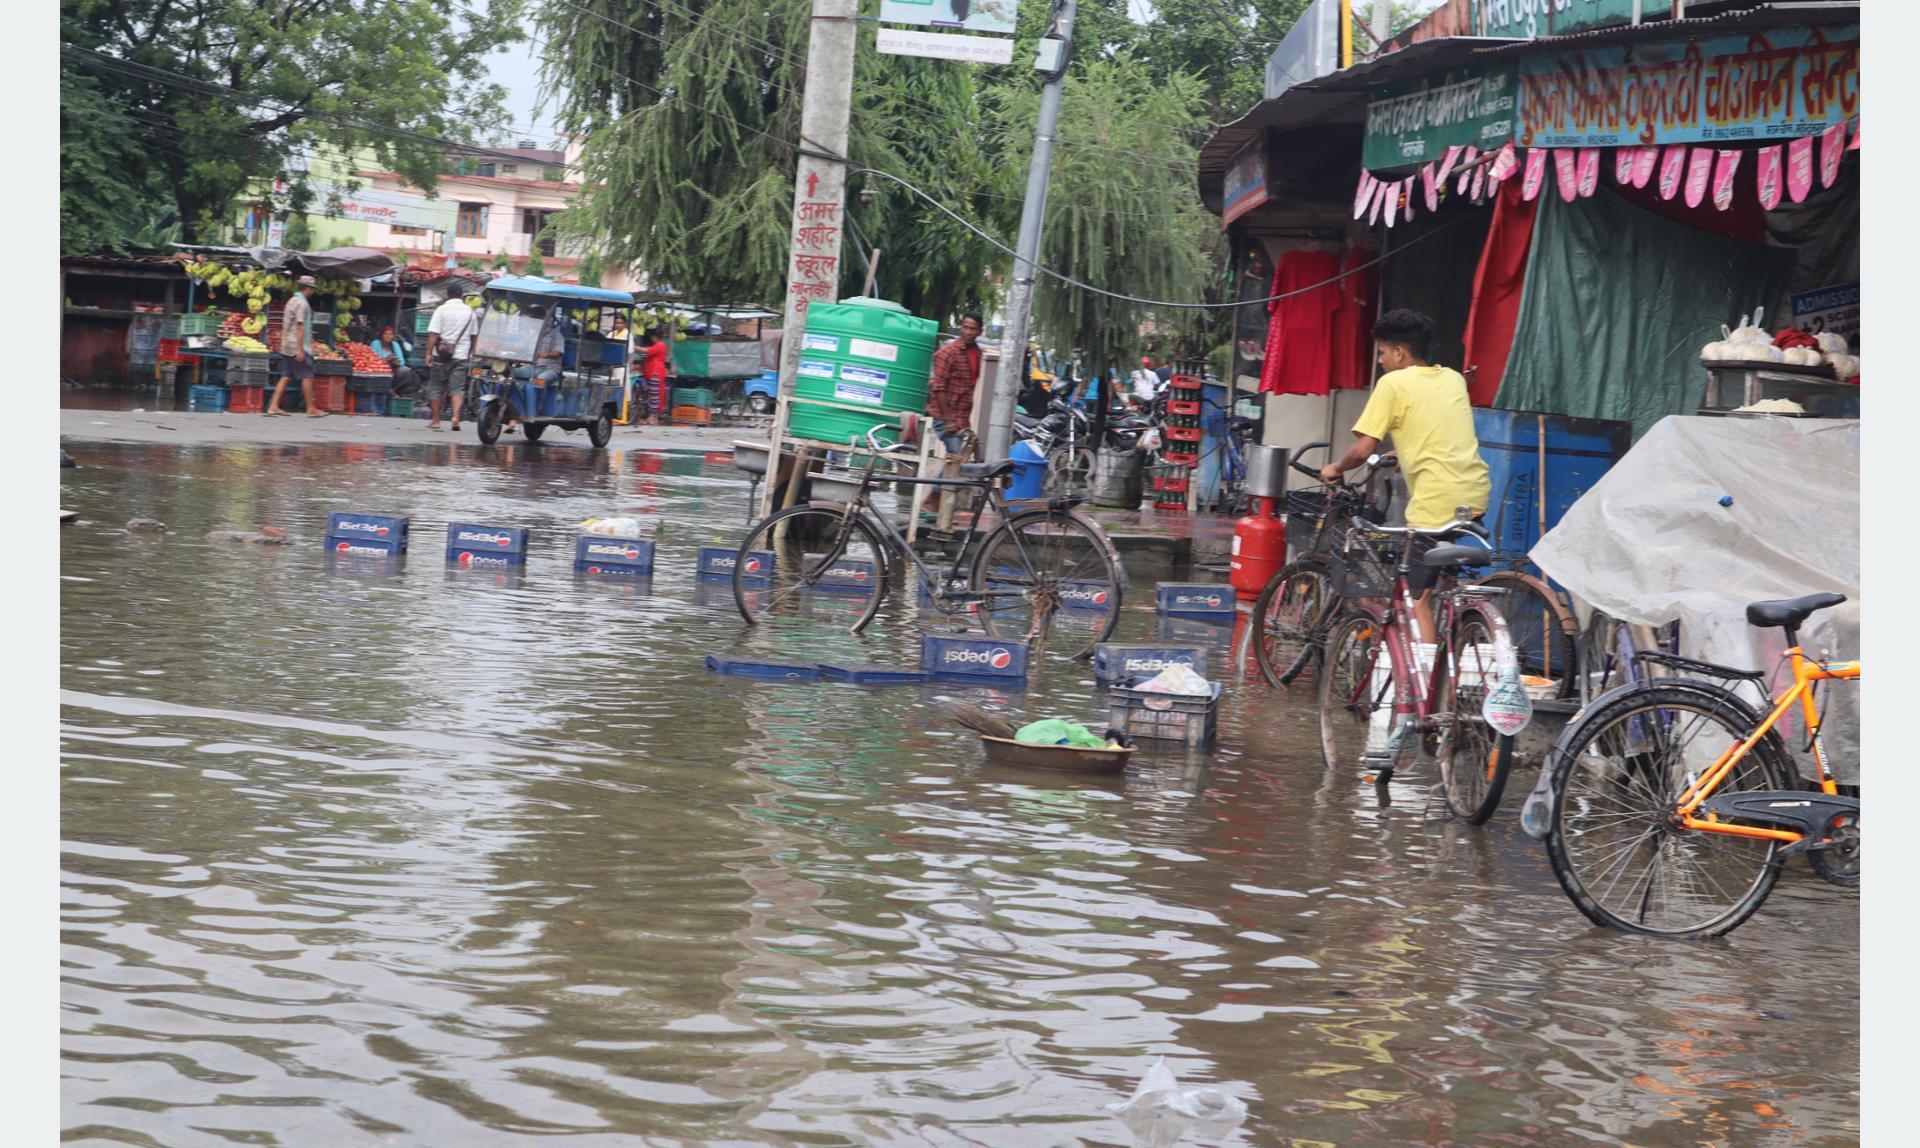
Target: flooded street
(458, 858)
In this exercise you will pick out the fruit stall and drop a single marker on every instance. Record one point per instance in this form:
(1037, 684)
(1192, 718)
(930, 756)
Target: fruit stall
(228, 338)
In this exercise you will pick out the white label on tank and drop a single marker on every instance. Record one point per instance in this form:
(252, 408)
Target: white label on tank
(863, 375)
(858, 393)
(815, 369)
(828, 343)
(868, 349)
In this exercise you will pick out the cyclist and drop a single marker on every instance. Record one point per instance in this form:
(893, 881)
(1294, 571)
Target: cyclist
(1424, 408)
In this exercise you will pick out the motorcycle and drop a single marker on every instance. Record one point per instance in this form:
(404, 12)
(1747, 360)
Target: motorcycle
(1065, 437)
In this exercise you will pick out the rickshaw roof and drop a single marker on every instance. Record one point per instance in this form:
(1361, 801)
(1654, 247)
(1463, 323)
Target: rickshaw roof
(530, 285)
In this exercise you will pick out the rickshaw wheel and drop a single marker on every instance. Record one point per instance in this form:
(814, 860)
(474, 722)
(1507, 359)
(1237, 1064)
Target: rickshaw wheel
(600, 430)
(491, 416)
(533, 431)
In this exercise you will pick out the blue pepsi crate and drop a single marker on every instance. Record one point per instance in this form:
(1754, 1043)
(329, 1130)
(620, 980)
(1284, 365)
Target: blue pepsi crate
(1095, 597)
(998, 659)
(366, 547)
(1196, 599)
(758, 668)
(487, 541)
(213, 399)
(596, 553)
(717, 562)
(1114, 662)
(871, 675)
(385, 532)
(1204, 629)
(848, 575)
(482, 560)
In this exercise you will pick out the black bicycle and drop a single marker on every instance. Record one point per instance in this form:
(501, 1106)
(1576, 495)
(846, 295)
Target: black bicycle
(1042, 569)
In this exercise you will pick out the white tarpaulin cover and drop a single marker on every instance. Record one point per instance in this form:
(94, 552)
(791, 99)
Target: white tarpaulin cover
(1650, 543)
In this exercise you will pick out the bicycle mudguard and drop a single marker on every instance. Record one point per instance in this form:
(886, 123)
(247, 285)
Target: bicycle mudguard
(1811, 814)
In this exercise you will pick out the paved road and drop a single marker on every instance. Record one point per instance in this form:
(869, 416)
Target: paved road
(181, 428)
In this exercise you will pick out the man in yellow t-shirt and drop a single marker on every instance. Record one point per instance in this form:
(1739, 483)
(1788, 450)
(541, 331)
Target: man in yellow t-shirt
(1425, 410)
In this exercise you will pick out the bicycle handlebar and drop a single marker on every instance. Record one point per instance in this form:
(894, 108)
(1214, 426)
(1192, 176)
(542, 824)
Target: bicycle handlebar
(1302, 467)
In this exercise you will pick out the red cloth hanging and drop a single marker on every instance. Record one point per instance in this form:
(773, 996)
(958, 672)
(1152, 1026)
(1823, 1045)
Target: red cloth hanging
(1353, 321)
(1300, 331)
(1497, 283)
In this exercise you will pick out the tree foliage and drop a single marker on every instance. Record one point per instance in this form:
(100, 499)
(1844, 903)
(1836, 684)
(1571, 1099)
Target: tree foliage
(222, 94)
(1123, 212)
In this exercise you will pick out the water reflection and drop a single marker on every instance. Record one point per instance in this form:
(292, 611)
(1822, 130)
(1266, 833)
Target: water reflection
(436, 856)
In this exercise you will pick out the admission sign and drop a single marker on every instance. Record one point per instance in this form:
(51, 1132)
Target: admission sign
(1775, 84)
(1415, 122)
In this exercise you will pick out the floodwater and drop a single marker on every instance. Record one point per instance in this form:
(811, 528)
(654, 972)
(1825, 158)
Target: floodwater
(454, 858)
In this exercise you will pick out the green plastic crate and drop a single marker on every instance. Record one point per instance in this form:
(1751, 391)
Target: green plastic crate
(399, 408)
(693, 397)
(207, 323)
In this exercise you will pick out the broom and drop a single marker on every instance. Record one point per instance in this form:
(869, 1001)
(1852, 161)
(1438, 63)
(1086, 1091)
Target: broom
(980, 721)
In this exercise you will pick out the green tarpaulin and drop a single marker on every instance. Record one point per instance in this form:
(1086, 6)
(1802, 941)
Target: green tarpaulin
(1617, 305)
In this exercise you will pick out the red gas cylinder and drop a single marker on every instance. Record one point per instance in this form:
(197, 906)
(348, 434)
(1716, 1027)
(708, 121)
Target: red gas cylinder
(1259, 548)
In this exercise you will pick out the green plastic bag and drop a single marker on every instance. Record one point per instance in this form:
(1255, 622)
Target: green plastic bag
(1055, 731)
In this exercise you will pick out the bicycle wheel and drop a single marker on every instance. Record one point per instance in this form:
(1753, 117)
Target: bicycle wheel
(1289, 608)
(825, 565)
(1534, 616)
(1069, 472)
(1614, 840)
(1477, 758)
(1048, 578)
(1356, 696)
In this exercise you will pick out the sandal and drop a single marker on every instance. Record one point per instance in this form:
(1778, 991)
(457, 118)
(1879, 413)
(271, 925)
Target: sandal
(316, 414)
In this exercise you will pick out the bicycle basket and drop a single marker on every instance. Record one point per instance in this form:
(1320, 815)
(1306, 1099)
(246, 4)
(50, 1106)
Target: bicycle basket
(1358, 573)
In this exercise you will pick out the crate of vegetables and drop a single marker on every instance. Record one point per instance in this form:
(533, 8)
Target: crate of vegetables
(364, 361)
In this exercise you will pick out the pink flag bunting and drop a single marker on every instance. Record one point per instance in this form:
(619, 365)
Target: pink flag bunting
(1466, 157)
(1479, 182)
(1673, 165)
(1623, 165)
(1393, 203)
(1364, 193)
(1430, 187)
(1855, 145)
(1645, 159)
(1587, 172)
(1536, 174)
(1800, 168)
(1446, 163)
(1699, 172)
(1833, 144)
(1379, 201)
(1768, 176)
(1725, 164)
(1564, 175)
(1505, 164)
(1412, 191)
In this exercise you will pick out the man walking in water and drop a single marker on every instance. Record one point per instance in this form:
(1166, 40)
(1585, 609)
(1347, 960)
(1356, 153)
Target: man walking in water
(296, 347)
(1425, 410)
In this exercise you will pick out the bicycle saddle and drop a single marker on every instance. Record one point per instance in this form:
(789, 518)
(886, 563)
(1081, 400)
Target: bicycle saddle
(1791, 612)
(986, 469)
(1457, 556)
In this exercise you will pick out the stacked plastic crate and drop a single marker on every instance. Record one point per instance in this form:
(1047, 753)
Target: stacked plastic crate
(1180, 435)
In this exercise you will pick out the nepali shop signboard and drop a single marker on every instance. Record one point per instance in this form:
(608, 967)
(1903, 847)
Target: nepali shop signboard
(1246, 182)
(972, 15)
(1415, 122)
(1778, 84)
(1526, 19)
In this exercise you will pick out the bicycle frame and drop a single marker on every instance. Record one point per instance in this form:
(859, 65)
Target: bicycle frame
(1805, 673)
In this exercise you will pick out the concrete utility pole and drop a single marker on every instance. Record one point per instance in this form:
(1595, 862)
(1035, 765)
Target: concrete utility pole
(1382, 20)
(1013, 340)
(820, 184)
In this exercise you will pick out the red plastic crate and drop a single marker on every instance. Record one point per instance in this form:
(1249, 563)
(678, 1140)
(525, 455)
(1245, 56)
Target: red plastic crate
(1182, 407)
(169, 351)
(246, 400)
(1171, 459)
(1170, 485)
(330, 393)
(1183, 434)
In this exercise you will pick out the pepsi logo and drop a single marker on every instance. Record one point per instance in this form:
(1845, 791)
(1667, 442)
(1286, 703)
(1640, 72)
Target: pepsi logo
(1001, 660)
(491, 538)
(343, 547)
(753, 565)
(348, 524)
(466, 558)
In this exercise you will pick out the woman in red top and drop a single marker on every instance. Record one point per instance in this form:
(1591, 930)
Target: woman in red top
(653, 370)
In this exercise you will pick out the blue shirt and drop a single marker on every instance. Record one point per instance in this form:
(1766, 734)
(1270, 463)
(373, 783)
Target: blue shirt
(390, 350)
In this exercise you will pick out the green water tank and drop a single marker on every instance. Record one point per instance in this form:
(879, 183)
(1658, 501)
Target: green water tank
(868, 354)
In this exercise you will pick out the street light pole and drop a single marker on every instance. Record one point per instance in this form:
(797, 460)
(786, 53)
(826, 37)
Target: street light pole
(1013, 339)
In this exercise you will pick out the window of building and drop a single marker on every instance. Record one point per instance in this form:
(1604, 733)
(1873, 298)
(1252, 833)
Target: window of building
(509, 168)
(485, 169)
(532, 222)
(402, 229)
(472, 222)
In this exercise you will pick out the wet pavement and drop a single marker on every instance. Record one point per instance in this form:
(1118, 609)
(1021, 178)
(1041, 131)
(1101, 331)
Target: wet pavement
(444, 857)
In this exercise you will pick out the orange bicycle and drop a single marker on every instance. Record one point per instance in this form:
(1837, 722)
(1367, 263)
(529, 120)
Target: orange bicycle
(1671, 811)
